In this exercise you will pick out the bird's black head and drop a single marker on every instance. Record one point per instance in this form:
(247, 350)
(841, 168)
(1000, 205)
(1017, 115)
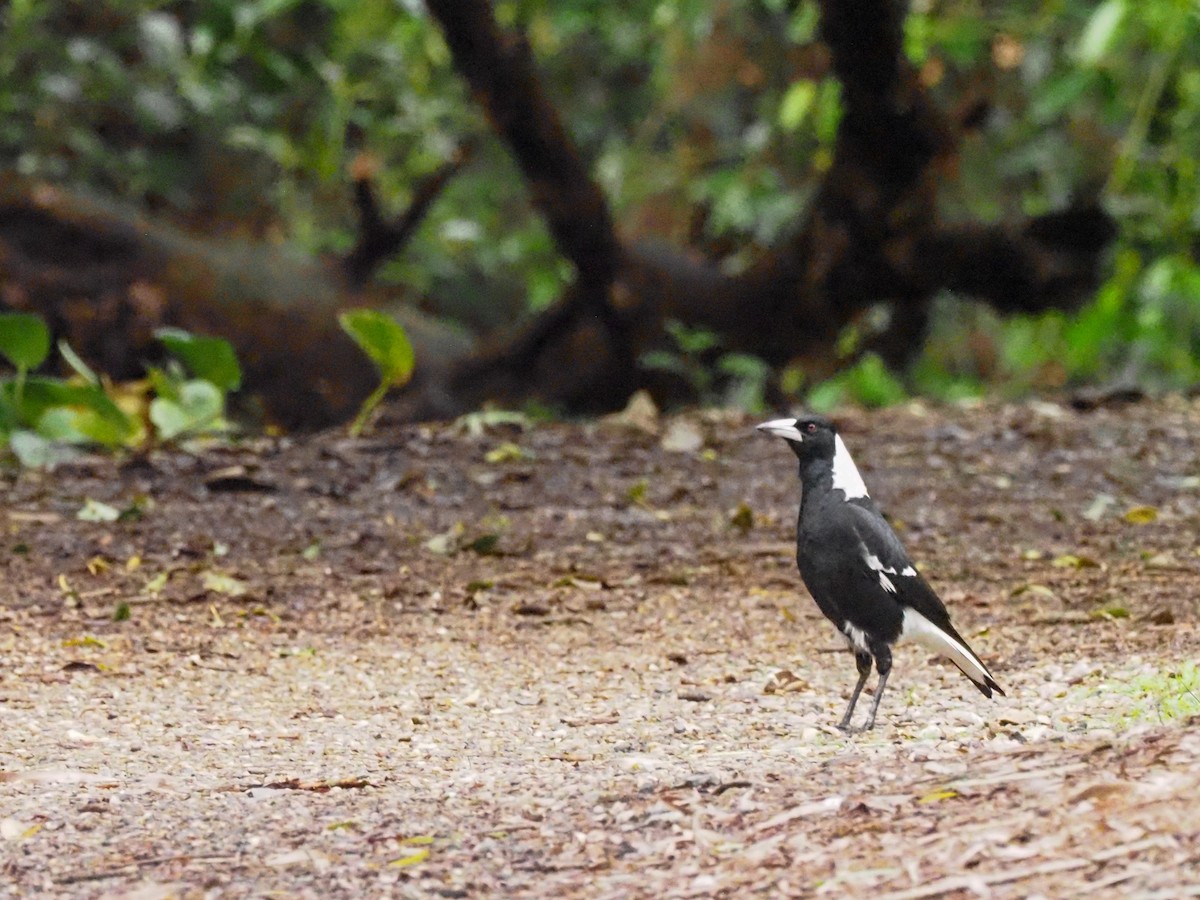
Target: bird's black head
(810, 436)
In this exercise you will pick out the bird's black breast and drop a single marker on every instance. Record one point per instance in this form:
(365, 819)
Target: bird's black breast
(830, 556)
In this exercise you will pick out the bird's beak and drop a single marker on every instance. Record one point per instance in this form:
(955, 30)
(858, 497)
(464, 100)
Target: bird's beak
(784, 428)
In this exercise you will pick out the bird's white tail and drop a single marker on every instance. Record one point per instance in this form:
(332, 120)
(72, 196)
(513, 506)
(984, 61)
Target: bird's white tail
(920, 630)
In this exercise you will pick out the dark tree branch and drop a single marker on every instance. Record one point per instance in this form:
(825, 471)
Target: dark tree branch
(499, 68)
(873, 234)
(379, 239)
(1048, 262)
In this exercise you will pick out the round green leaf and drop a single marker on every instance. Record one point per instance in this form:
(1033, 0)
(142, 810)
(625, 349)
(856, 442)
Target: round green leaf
(211, 359)
(24, 340)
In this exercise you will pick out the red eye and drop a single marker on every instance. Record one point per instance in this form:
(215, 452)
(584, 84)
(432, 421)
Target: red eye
(811, 427)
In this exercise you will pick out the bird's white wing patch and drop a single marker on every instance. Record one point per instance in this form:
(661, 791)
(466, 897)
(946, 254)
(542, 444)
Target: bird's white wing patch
(875, 564)
(845, 473)
(908, 572)
(920, 630)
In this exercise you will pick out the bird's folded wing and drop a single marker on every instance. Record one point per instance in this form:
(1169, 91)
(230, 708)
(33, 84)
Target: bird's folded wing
(930, 627)
(883, 552)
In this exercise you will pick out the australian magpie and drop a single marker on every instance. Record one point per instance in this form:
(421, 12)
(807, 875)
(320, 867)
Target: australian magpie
(856, 569)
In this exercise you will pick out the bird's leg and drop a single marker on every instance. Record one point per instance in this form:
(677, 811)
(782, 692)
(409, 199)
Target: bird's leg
(863, 661)
(883, 662)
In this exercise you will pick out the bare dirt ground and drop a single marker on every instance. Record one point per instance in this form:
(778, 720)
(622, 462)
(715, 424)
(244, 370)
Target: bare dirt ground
(571, 661)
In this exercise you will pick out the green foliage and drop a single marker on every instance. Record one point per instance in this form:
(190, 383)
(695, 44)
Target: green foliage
(43, 419)
(717, 378)
(711, 123)
(867, 383)
(1163, 696)
(1121, 108)
(387, 345)
(24, 340)
(210, 359)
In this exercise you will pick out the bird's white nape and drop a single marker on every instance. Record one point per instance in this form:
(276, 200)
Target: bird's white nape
(845, 473)
(920, 630)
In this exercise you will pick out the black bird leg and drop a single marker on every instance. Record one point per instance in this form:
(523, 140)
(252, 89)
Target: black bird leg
(883, 663)
(863, 661)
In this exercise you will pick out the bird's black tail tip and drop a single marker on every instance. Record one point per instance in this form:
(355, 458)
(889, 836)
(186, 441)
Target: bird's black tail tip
(989, 685)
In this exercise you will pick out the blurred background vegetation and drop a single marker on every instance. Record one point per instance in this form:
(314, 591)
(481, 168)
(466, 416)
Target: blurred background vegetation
(708, 124)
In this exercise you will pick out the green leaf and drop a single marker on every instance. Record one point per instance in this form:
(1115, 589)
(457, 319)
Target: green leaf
(36, 452)
(199, 407)
(81, 412)
(1100, 32)
(82, 369)
(211, 359)
(796, 104)
(91, 424)
(384, 341)
(24, 340)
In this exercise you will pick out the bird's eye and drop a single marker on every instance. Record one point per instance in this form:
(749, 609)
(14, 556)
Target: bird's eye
(812, 427)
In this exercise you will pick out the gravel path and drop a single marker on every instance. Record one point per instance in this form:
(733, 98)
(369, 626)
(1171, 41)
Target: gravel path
(625, 694)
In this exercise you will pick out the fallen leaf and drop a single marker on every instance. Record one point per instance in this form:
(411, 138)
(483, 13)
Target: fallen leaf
(784, 681)
(682, 437)
(86, 641)
(448, 541)
(78, 665)
(1141, 515)
(236, 479)
(1099, 505)
(220, 583)
(485, 544)
(531, 609)
(157, 583)
(507, 452)
(412, 859)
(639, 413)
(937, 796)
(301, 856)
(95, 511)
(1162, 616)
(742, 518)
(1038, 590)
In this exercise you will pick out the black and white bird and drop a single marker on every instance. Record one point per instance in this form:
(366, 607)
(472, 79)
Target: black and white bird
(856, 569)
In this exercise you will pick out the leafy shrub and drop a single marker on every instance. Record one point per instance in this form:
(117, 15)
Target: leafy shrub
(45, 419)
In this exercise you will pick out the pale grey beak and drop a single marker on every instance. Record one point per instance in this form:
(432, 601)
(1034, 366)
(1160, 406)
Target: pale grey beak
(784, 428)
